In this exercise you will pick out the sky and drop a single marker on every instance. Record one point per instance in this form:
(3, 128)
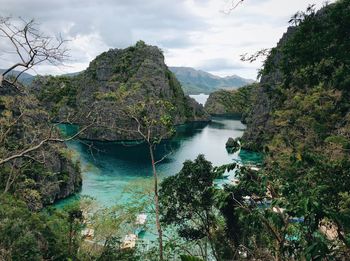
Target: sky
(196, 33)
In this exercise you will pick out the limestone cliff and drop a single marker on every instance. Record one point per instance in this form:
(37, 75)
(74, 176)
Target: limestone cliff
(115, 80)
(42, 176)
(302, 99)
(235, 102)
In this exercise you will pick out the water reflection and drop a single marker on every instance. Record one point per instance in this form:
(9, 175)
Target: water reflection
(109, 166)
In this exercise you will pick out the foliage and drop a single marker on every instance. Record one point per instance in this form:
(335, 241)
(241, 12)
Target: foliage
(318, 50)
(236, 102)
(190, 191)
(26, 235)
(305, 137)
(58, 91)
(41, 176)
(188, 199)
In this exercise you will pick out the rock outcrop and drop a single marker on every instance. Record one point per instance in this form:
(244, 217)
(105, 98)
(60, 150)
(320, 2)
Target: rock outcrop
(232, 145)
(235, 103)
(258, 119)
(44, 175)
(302, 99)
(113, 82)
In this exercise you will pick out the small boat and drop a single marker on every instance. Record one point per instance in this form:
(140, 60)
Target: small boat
(141, 219)
(140, 222)
(234, 181)
(278, 210)
(296, 219)
(88, 233)
(129, 241)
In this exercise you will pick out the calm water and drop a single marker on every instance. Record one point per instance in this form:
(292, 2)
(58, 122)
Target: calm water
(109, 168)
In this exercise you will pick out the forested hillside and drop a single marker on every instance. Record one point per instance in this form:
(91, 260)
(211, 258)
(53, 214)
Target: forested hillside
(115, 83)
(301, 121)
(235, 102)
(296, 207)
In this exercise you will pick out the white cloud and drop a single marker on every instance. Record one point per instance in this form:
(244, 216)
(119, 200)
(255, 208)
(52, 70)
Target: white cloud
(191, 32)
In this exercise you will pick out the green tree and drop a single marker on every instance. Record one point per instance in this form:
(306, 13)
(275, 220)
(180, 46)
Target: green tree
(188, 201)
(152, 121)
(27, 235)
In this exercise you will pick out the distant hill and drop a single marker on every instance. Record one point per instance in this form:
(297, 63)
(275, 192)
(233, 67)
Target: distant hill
(232, 102)
(25, 78)
(197, 81)
(193, 81)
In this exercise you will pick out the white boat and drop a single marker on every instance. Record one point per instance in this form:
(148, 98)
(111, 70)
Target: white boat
(129, 241)
(234, 181)
(141, 219)
(88, 233)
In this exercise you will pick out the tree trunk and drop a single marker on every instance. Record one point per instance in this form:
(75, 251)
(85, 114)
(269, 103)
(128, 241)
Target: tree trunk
(8, 183)
(156, 203)
(11, 178)
(213, 248)
(70, 238)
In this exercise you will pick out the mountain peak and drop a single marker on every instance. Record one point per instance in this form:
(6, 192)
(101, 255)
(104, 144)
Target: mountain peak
(195, 81)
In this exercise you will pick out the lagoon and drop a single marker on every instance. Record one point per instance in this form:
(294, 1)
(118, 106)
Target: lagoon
(111, 167)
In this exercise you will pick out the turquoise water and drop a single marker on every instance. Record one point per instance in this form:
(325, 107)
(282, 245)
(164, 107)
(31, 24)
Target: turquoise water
(109, 167)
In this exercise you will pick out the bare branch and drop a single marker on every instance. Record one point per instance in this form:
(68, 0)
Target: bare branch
(3, 135)
(233, 5)
(253, 57)
(164, 157)
(31, 46)
(24, 153)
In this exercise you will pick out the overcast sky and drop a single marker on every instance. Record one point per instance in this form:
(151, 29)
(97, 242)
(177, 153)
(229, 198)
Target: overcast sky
(195, 33)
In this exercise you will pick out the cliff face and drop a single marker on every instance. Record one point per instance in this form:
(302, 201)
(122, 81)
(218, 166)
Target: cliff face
(236, 102)
(221, 103)
(42, 176)
(113, 82)
(259, 119)
(302, 99)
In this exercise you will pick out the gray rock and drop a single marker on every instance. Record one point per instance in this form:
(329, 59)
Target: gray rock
(138, 74)
(44, 175)
(232, 145)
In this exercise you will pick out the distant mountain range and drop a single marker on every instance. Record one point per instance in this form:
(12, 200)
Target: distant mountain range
(193, 81)
(25, 78)
(197, 81)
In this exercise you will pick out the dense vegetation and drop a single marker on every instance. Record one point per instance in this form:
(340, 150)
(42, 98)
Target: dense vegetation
(304, 100)
(115, 80)
(295, 207)
(236, 102)
(41, 176)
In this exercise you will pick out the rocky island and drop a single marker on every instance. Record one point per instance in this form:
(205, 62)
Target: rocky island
(232, 102)
(114, 81)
